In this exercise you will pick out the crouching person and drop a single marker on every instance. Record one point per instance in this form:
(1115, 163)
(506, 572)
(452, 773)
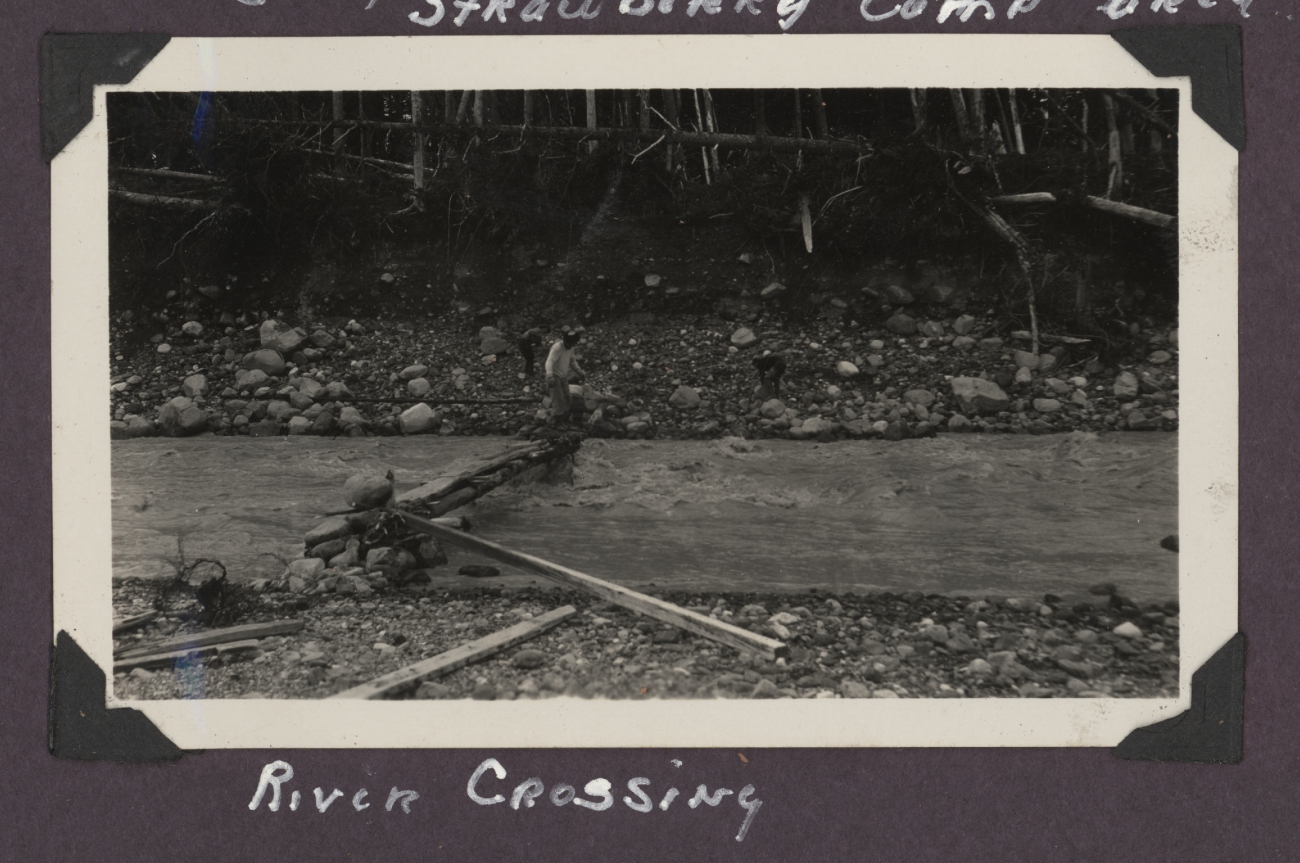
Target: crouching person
(561, 366)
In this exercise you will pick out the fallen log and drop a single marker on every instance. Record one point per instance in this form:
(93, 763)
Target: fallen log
(708, 627)
(1115, 208)
(163, 201)
(166, 174)
(132, 622)
(215, 636)
(443, 486)
(458, 657)
(175, 657)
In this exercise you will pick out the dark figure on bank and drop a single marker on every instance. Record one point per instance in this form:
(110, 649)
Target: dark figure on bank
(770, 369)
(529, 343)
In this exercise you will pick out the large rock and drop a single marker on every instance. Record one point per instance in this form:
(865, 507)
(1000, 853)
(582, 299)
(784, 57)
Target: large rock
(179, 417)
(919, 397)
(307, 568)
(410, 373)
(367, 490)
(1126, 385)
(901, 324)
(195, 386)
(139, 427)
(322, 339)
(280, 337)
(963, 325)
(772, 408)
(494, 347)
(976, 395)
(251, 379)
(1027, 360)
(350, 416)
(1047, 406)
(489, 333)
(266, 360)
(932, 330)
(192, 328)
(744, 338)
(684, 397)
(336, 390)
(418, 419)
(299, 425)
(310, 388)
(899, 295)
(334, 527)
(419, 387)
(846, 369)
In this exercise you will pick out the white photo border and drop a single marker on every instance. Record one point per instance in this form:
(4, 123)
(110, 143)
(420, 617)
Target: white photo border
(1208, 439)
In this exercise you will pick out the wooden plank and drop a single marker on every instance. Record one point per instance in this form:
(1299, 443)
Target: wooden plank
(459, 657)
(717, 630)
(445, 485)
(171, 658)
(217, 636)
(132, 622)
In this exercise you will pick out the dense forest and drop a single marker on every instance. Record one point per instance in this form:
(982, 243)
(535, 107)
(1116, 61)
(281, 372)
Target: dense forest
(1054, 208)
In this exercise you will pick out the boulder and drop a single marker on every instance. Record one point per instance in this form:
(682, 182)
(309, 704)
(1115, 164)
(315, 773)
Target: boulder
(744, 338)
(299, 425)
(179, 417)
(266, 360)
(932, 330)
(430, 553)
(963, 343)
(323, 424)
(192, 328)
(901, 324)
(280, 410)
(1159, 358)
(897, 295)
(772, 408)
(336, 390)
(280, 337)
(117, 430)
(367, 490)
(419, 387)
(1047, 406)
(846, 369)
(251, 379)
(963, 325)
(334, 527)
(307, 568)
(919, 397)
(959, 423)
(684, 398)
(139, 427)
(383, 559)
(410, 373)
(419, 419)
(322, 339)
(772, 291)
(487, 333)
(310, 388)
(300, 401)
(1126, 386)
(976, 395)
(350, 416)
(494, 347)
(1026, 360)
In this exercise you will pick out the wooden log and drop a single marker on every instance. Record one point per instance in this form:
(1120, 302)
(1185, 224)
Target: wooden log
(1014, 104)
(443, 486)
(163, 201)
(1128, 211)
(417, 109)
(708, 627)
(166, 174)
(458, 657)
(131, 623)
(218, 636)
(175, 657)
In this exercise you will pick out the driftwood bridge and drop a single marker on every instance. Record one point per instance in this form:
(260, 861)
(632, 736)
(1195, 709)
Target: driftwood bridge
(423, 512)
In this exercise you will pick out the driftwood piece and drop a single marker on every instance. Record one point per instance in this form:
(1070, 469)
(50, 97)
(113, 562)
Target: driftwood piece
(1128, 211)
(215, 636)
(708, 627)
(458, 657)
(166, 174)
(174, 657)
(132, 622)
(163, 201)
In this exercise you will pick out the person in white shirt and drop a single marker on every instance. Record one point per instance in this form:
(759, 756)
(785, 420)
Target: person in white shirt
(561, 364)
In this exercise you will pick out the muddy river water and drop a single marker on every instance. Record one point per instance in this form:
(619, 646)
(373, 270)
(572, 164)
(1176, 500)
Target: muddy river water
(1015, 515)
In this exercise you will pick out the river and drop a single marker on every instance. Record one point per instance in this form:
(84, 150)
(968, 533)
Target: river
(968, 514)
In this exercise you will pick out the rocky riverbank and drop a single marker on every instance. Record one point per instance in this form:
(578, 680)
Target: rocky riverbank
(926, 368)
(877, 645)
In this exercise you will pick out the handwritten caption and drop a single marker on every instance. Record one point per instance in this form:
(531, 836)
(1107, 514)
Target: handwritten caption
(486, 790)
(787, 11)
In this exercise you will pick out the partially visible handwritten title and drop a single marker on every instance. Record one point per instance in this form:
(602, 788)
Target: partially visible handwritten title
(787, 11)
(525, 794)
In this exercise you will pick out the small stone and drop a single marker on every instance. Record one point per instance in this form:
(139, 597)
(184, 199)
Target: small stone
(765, 689)
(1046, 406)
(1160, 358)
(772, 291)
(484, 691)
(1126, 385)
(529, 659)
(1127, 630)
(846, 369)
(979, 666)
(919, 397)
(744, 338)
(853, 689)
(141, 673)
(884, 693)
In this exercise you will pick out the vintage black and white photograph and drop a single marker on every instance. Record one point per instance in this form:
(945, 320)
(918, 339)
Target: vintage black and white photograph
(692, 393)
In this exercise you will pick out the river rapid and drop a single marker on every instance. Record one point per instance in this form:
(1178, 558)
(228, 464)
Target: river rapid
(974, 515)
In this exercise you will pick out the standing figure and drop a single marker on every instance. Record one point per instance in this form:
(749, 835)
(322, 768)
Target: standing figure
(561, 364)
(770, 369)
(529, 342)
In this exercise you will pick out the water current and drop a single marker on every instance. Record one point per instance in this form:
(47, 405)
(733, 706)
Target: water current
(956, 514)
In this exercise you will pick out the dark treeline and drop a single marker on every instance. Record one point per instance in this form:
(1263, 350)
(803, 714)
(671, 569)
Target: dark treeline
(255, 189)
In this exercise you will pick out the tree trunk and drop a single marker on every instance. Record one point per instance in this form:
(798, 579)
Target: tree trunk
(449, 106)
(336, 103)
(363, 133)
(1015, 120)
(643, 96)
(798, 115)
(417, 112)
(918, 100)
(528, 107)
(760, 112)
(462, 110)
(1083, 123)
(478, 107)
(670, 113)
(979, 126)
(1115, 181)
(711, 125)
(959, 110)
(591, 117)
(819, 115)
